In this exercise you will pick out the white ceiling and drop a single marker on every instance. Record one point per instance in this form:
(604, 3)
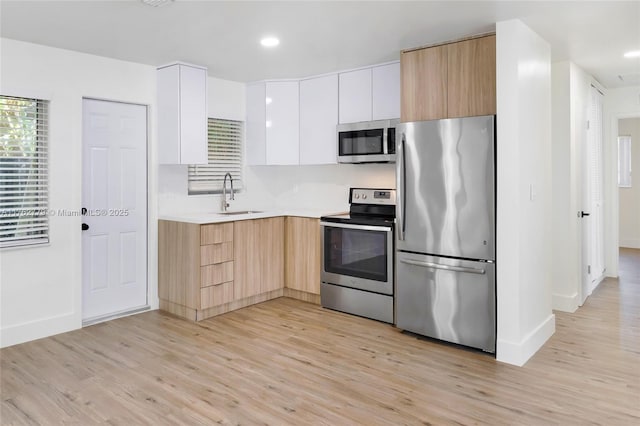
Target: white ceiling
(319, 37)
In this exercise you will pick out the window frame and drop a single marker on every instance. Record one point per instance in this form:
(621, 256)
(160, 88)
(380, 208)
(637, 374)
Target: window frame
(39, 188)
(236, 153)
(625, 176)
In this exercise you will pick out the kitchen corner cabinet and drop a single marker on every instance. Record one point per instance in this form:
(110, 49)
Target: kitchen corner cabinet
(370, 94)
(273, 123)
(302, 254)
(318, 120)
(182, 114)
(205, 270)
(258, 256)
(449, 81)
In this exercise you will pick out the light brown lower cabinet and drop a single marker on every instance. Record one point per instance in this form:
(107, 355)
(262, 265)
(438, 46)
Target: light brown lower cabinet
(302, 254)
(258, 256)
(195, 267)
(206, 270)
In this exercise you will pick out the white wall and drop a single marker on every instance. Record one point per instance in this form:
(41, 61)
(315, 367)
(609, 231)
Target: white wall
(570, 103)
(41, 286)
(524, 198)
(618, 103)
(630, 197)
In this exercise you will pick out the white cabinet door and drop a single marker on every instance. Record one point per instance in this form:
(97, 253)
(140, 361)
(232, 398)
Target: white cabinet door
(193, 115)
(355, 96)
(182, 114)
(386, 91)
(318, 120)
(256, 132)
(282, 122)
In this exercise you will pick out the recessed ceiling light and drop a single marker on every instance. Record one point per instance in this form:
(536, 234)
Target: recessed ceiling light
(632, 54)
(156, 3)
(270, 42)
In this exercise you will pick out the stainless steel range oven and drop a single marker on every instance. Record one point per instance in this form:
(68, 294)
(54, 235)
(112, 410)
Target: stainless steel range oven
(357, 256)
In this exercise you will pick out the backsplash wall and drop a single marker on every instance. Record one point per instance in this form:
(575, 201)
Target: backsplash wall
(322, 187)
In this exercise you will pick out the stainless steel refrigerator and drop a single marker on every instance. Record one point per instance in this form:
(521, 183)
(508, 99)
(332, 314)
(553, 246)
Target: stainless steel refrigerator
(445, 247)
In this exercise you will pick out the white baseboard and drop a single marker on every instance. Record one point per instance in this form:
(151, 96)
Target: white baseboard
(633, 243)
(564, 303)
(38, 329)
(518, 353)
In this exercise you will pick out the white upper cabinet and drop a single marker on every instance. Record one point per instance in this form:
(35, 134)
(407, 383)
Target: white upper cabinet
(256, 136)
(386, 91)
(294, 122)
(272, 123)
(182, 114)
(282, 122)
(355, 96)
(318, 120)
(370, 94)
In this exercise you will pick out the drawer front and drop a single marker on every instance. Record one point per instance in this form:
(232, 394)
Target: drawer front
(216, 253)
(217, 233)
(215, 295)
(216, 274)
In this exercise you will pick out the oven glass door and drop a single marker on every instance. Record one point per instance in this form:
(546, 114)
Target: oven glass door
(358, 256)
(361, 142)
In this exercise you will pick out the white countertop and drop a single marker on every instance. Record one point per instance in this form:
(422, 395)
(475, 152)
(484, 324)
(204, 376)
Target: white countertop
(218, 217)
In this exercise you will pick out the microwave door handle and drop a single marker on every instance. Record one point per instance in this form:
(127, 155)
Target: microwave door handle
(400, 186)
(385, 140)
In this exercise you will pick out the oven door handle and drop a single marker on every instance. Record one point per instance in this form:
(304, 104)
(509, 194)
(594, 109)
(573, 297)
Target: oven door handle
(353, 226)
(445, 267)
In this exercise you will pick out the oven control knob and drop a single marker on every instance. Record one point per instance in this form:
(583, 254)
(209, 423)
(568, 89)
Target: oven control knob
(364, 196)
(357, 196)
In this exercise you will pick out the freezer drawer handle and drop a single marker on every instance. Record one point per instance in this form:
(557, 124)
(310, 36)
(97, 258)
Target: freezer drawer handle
(445, 267)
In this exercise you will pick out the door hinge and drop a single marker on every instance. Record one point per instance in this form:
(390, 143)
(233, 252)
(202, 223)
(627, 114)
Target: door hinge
(588, 269)
(588, 124)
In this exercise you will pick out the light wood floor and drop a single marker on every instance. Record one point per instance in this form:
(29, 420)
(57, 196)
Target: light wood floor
(289, 362)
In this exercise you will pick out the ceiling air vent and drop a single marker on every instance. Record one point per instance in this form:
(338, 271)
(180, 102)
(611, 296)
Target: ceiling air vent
(156, 3)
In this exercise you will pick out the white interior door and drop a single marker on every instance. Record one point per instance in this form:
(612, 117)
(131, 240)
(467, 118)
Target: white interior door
(593, 202)
(114, 194)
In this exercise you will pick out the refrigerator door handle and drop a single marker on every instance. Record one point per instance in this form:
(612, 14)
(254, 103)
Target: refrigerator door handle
(445, 267)
(402, 179)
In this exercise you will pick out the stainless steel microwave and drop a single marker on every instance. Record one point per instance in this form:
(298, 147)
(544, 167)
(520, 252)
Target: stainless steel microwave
(367, 142)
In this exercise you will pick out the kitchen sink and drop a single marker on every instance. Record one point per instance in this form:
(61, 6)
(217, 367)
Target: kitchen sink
(241, 212)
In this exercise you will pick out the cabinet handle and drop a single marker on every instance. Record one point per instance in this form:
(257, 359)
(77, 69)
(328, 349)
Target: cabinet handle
(444, 267)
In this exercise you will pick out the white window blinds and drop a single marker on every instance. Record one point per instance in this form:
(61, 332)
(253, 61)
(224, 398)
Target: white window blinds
(624, 161)
(225, 155)
(24, 195)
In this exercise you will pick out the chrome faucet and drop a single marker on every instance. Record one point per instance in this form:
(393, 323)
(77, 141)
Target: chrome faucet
(225, 204)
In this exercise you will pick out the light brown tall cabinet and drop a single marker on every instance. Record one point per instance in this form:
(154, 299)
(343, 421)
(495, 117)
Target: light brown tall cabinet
(450, 80)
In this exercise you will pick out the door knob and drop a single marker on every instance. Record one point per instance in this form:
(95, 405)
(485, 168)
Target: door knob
(85, 226)
(583, 214)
